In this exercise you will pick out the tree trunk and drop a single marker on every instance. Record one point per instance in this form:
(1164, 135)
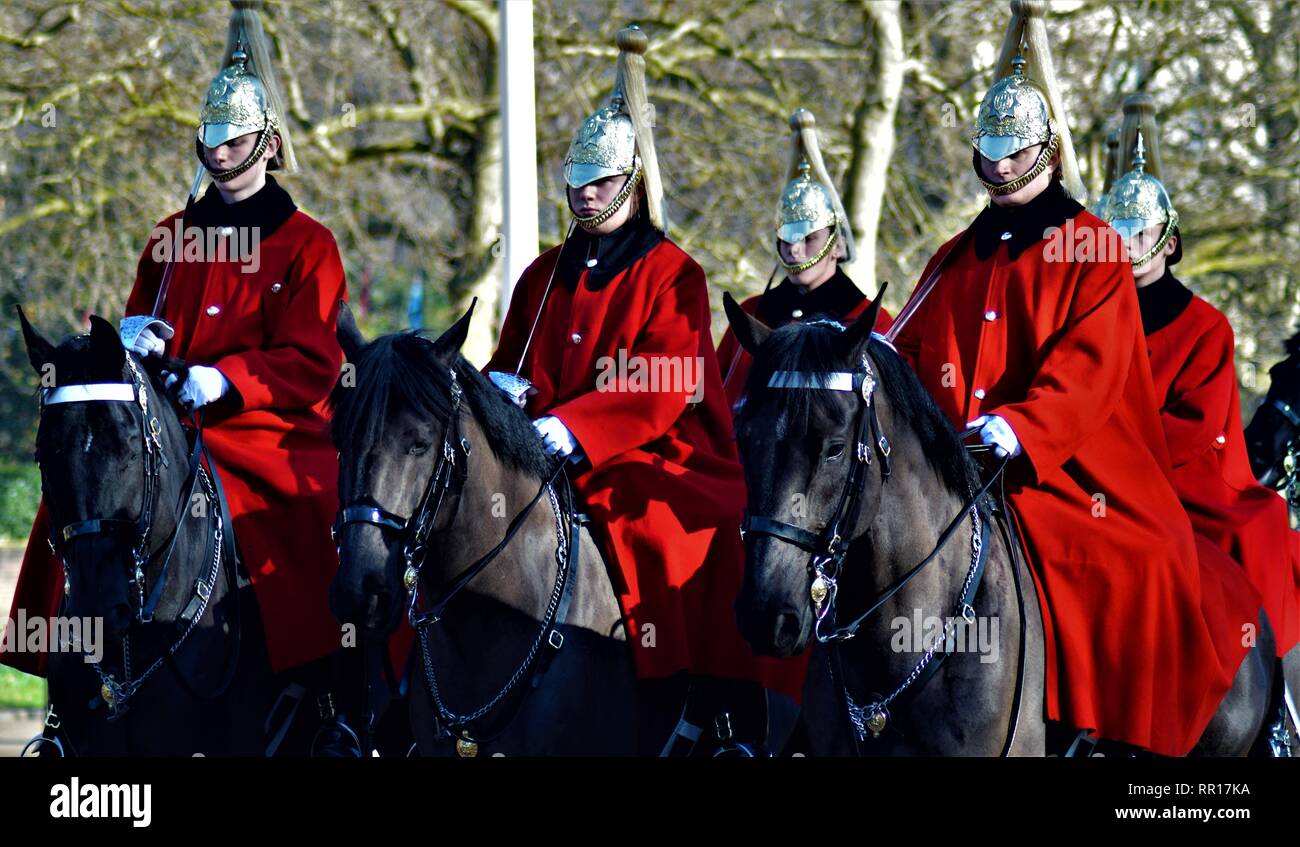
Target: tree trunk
(872, 137)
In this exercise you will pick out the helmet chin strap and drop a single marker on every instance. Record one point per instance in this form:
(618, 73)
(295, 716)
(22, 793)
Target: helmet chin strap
(996, 189)
(605, 214)
(263, 141)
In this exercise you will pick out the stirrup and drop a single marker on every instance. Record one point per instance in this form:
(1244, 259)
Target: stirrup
(52, 722)
(1279, 737)
(340, 732)
(334, 723)
(730, 747)
(1084, 746)
(36, 743)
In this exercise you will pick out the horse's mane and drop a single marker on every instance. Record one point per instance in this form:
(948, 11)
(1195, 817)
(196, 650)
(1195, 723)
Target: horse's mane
(400, 372)
(809, 347)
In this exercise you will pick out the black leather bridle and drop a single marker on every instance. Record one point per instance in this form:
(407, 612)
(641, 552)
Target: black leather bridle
(114, 692)
(416, 529)
(137, 394)
(828, 548)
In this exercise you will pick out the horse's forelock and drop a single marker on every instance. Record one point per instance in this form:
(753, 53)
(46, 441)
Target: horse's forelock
(810, 348)
(401, 373)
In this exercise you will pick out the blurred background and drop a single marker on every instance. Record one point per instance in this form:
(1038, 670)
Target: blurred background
(395, 111)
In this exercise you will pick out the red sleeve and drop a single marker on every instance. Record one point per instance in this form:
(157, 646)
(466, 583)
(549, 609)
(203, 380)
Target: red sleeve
(611, 422)
(1080, 381)
(300, 363)
(1194, 413)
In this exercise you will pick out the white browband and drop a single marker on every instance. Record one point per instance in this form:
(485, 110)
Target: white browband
(119, 391)
(831, 380)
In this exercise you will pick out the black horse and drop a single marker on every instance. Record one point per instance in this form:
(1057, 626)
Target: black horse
(1275, 428)
(182, 668)
(866, 518)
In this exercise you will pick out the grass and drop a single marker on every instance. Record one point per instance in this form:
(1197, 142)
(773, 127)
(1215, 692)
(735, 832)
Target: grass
(20, 492)
(20, 690)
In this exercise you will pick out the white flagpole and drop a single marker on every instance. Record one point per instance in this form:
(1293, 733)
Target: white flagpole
(519, 143)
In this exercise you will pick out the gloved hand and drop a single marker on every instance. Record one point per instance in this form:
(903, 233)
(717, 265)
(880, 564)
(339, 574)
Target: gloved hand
(997, 433)
(147, 340)
(204, 385)
(559, 441)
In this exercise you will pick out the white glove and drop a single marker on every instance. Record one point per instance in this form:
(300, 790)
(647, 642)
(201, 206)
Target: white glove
(204, 385)
(997, 432)
(559, 441)
(144, 335)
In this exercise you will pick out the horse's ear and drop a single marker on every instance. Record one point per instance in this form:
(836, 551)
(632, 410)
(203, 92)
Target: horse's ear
(350, 338)
(859, 332)
(106, 346)
(39, 351)
(749, 330)
(450, 342)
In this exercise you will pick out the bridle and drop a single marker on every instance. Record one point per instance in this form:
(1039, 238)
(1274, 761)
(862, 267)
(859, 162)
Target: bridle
(829, 547)
(117, 694)
(416, 531)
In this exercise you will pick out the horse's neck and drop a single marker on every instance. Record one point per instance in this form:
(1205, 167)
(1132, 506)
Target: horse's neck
(522, 575)
(190, 556)
(916, 506)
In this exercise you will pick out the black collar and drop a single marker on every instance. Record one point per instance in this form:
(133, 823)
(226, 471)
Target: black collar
(835, 298)
(1162, 302)
(1026, 223)
(606, 255)
(267, 210)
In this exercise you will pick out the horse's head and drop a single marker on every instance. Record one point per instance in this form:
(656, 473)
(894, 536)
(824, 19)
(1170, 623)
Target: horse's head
(104, 429)
(391, 412)
(797, 443)
(1276, 424)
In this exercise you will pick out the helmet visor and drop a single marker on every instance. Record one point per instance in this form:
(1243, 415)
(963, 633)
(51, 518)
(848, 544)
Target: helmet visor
(998, 147)
(214, 135)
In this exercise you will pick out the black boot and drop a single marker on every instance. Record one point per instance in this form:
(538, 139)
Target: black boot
(335, 739)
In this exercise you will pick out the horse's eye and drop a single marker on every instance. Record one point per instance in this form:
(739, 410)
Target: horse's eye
(419, 448)
(834, 450)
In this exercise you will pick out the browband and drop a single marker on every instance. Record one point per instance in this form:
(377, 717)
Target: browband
(87, 392)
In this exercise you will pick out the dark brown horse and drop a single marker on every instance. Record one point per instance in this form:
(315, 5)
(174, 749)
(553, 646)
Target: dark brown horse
(521, 647)
(866, 522)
